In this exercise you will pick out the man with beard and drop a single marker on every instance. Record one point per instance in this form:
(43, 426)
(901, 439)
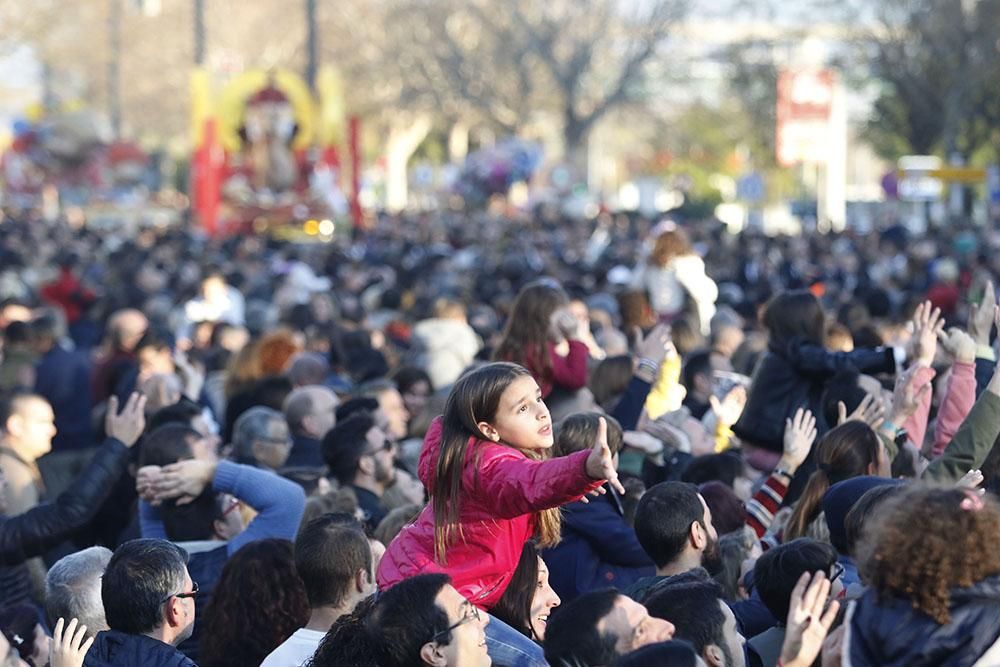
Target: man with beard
(674, 527)
(360, 455)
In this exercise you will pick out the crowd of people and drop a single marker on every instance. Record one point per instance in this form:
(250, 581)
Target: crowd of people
(521, 440)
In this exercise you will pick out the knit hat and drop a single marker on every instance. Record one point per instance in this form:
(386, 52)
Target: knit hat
(841, 497)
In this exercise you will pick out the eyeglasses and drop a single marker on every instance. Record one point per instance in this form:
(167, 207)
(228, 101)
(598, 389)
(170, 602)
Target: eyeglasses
(836, 572)
(190, 594)
(234, 505)
(471, 613)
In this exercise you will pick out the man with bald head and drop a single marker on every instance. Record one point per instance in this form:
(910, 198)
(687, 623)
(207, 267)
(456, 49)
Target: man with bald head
(124, 330)
(310, 412)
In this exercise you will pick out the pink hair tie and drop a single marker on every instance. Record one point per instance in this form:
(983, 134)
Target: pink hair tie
(972, 502)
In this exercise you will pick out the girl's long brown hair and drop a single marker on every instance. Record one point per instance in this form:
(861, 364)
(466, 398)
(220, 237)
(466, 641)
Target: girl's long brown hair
(528, 332)
(474, 398)
(844, 452)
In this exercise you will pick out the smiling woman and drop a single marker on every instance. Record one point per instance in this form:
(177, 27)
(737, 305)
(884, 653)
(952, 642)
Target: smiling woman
(529, 599)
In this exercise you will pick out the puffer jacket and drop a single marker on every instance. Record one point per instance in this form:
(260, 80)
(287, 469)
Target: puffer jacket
(792, 375)
(501, 490)
(117, 649)
(889, 632)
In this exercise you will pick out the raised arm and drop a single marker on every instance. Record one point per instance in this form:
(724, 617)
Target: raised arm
(36, 531)
(278, 501)
(974, 439)
(960, 394)
(516, 485)
(800, 434)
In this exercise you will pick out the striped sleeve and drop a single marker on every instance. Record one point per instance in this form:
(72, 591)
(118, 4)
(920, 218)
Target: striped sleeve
(765, 503)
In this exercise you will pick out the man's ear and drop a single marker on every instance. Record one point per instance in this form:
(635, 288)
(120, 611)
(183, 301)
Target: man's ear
(366, 464)
(714, 657)
(699, 539)
(432, 655)
(14, 425)
(487, 429)
(174, 614)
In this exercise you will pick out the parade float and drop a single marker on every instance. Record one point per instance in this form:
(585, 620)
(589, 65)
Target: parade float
(266, 157)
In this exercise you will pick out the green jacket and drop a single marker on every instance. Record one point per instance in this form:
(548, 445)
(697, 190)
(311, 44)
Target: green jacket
(971, 444)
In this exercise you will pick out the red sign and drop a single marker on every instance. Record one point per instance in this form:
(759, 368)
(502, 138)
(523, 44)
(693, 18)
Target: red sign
(805, 98)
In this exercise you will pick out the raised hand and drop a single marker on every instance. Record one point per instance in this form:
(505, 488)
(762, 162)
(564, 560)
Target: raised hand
(565, 324)
(870, 411)
(800, 434)
(959, 345)
(982, 315)
(807, 624)
(127, 426)
(927, 323)
(656, 346)
(600, 463)
(69, 647)
(729, 409)
(906, 398)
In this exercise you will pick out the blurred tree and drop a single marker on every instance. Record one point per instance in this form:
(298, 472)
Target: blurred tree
(506, 60)
(939, 63)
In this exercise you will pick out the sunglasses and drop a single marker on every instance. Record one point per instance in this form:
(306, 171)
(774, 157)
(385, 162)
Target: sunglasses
(190, 594)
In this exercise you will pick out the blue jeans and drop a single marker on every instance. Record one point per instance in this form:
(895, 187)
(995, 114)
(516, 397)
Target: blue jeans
(509, 648)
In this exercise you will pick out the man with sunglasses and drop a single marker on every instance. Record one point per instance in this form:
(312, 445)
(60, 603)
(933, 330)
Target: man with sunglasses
(361, 455)
(149, 602)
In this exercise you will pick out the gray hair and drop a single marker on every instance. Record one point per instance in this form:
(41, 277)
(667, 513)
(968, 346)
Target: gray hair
(73, 589)
(251, 427)
(301, 403)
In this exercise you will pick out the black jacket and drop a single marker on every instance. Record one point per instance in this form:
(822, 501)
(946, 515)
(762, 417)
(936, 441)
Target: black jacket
(39, 529)
(792, 376)
(890, 633)
(117, 649)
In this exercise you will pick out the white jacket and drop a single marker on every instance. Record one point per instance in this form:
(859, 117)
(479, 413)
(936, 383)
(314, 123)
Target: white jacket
(669, 285)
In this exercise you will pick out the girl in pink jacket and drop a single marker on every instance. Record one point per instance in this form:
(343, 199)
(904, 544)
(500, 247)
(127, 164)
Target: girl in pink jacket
(492, 485)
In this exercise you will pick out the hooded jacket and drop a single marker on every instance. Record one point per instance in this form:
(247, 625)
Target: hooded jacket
(889, 632)
(117, 649)
(501, 490)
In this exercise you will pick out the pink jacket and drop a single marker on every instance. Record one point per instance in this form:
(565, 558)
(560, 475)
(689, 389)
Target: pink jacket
(916, 424)
(501, 489)
(955, 406)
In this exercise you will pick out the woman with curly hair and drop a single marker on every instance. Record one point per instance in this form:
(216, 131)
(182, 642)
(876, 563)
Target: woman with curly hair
(258, 603)
(933, 572)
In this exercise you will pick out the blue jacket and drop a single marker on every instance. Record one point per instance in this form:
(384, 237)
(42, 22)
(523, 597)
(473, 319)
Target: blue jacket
(889, 632)
(117, 649)
(598, 550)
